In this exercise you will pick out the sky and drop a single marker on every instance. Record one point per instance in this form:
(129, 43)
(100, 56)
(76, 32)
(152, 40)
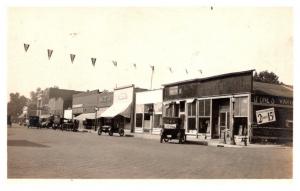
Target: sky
(215, 41)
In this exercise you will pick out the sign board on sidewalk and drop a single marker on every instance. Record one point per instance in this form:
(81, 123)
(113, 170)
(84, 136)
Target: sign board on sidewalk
(68, 114)
(265, 116)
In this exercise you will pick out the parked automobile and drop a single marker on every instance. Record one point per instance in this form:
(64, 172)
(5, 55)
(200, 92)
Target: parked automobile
(57, 122)
(172, 129)
(111, 126)
(34, 121)
(89, 123)
(70, 125)
(47, 122)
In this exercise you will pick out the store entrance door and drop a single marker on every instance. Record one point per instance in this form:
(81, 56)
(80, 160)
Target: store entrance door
(223, 122)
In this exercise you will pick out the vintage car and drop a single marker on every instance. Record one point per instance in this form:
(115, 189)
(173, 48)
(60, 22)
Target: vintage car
(111, 126)
(57, 122)
(70, 125)
(47, 122)
(89, 123)
(172, 129)
(34, 121)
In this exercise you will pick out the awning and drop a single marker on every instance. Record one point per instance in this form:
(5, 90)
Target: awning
(121, 108)
(22, 115)
(44, 116)
(190, 100)
(100, 111)
(84, 116)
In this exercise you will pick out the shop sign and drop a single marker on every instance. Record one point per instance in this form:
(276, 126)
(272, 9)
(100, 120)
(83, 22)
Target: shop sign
(272, 100)
(125, 94)
(265, 116)
(68, 114)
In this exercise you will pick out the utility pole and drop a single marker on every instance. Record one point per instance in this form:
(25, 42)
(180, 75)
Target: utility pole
(152, 71)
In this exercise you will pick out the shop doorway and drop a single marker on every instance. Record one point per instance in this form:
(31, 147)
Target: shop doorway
(223, 122)
(220, 117)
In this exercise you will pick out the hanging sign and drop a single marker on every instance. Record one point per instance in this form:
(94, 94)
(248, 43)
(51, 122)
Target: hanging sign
(72, 57)
(265, 116)
(26, 46)
(49, 53)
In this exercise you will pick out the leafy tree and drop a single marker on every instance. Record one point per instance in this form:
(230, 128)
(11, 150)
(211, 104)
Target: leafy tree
(33, 95)
(267, 77)
(16, 104)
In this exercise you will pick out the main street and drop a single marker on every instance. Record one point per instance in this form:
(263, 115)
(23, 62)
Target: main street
(47, 153)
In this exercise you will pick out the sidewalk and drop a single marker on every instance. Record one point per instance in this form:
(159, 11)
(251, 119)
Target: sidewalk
(194, 140)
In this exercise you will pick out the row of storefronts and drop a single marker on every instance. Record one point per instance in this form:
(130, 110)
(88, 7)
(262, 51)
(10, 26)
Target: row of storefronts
(226, 106)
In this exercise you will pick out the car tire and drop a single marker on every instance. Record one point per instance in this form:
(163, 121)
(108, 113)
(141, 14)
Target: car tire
(121, 132)
(110, 133)
(180, 140)
(161, 139)
(99, 131)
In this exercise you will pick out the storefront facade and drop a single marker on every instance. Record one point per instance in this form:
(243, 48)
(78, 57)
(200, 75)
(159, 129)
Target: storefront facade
(210, 107)
(90, 105)
(273, 113)
(53, 101)
(122, 111)
(148, 112)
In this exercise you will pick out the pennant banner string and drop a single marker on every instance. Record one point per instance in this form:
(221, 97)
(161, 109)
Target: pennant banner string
(49, 53)
(93, 61)
(26, 46)
(72, 57)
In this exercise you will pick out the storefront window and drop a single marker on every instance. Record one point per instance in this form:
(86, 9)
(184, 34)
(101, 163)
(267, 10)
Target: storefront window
(204, 125)
(207, 107)
(241, 107)
(192, 109)
(157, 120)
(176, 110)
(139, 120)
(182, 106)
(191, 126)
(204, 107)
(146, 116)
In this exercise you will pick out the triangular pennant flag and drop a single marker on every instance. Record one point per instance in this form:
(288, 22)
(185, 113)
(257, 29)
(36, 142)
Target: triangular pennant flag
(152, 67)
(200, 71)
(26, 46)
(115, 63)
(93, 61)
(72, 57)
(170, 69)
(134, 65)
(49, 53)
(186, 71)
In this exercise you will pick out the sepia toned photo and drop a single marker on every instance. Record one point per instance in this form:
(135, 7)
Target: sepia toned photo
(185, 92)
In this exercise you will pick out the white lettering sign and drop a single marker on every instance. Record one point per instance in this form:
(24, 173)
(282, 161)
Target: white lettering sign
(265, 116)
(68, 114)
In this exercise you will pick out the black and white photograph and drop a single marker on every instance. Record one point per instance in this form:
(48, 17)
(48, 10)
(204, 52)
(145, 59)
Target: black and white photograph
(201, 92)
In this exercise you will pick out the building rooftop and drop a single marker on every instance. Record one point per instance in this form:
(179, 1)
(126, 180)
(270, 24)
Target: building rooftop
(272, 89)
(210, 78)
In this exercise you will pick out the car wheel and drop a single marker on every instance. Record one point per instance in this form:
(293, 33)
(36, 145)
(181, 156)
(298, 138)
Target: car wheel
(161, 139)
(121, 132)
(166, 140)
(110, 133)
(99, 131)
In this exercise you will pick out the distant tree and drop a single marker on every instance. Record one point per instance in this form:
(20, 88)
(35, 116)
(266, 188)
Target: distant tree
(267, 77)
(34, 95)
(16, 104)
